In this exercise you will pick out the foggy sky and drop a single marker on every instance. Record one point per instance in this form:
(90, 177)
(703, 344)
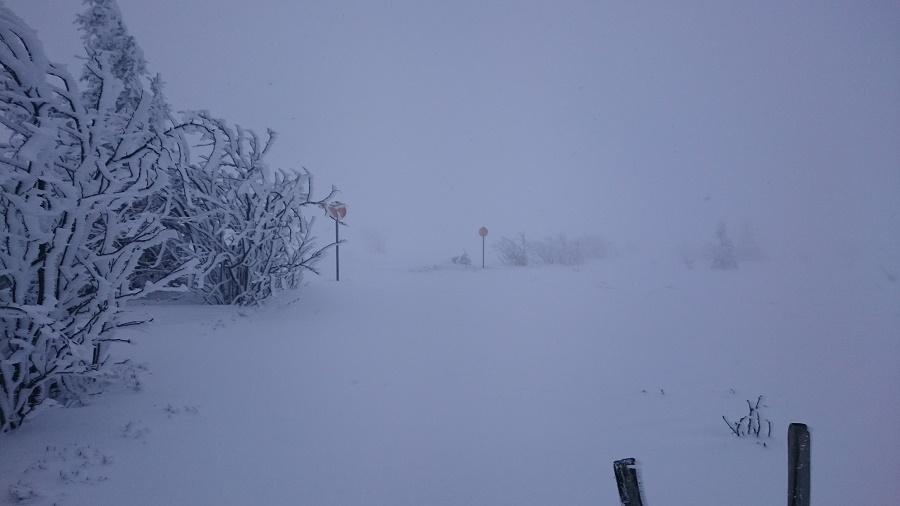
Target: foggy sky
(643, 122)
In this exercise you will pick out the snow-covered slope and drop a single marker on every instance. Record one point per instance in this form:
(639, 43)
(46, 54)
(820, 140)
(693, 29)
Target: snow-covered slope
(506, 386)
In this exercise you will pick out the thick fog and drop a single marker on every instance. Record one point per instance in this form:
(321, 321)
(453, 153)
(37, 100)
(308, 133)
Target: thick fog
(643, 123)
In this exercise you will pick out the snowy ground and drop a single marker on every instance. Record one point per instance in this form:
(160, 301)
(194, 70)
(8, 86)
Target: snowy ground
(508, 386)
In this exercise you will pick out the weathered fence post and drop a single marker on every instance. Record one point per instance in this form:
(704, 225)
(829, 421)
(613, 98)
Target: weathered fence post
(95, 360)
(798, 465)
(627, 480)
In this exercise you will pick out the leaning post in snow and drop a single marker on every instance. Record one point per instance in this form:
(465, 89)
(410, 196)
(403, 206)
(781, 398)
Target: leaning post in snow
(627, 481)
(483, 233)
(95, 359)
(798, 465)
(337, 210)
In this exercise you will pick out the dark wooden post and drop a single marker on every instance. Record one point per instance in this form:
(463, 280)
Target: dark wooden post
(798, 465)
(627, 480)
(96, 358)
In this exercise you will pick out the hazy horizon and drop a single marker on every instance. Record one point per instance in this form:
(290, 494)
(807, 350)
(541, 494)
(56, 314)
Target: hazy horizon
(645, 124)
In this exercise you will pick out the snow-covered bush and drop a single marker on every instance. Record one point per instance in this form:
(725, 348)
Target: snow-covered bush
(462, 259)
(557, 250)
(722, 253)
(106, 198)
(563, 251)
(241, 220)
(751, 423)
(75, 182)
(512, 252)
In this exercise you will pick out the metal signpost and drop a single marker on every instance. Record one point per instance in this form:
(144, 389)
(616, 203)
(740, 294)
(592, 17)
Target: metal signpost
(337, 210)
(483, 233)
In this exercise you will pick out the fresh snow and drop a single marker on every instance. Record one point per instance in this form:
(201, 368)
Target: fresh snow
(403, 385)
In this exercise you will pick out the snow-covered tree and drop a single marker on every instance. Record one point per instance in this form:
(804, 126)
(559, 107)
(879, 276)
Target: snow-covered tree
(75, 182)
(512, 252)
(104, 31)
(239, 218)
(723, 252)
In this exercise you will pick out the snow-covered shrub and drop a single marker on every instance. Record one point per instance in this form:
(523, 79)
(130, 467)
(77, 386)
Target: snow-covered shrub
(556, 250)
(563, 251)
(512, 252)
(75, 182)
(722, 253)
(226, 210)
(751, 423)
(462, 259)
(241, 220)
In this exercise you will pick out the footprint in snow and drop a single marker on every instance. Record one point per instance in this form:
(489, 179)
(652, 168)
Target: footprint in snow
(50, 478)
(135, 430)
(171, 410)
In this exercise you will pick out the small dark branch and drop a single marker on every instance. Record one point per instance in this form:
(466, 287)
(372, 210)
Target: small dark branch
(758, 424)
(133, 323)
(753, 420)
(732, 427)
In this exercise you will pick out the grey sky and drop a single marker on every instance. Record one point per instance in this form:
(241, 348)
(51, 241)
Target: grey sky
(646, 122)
